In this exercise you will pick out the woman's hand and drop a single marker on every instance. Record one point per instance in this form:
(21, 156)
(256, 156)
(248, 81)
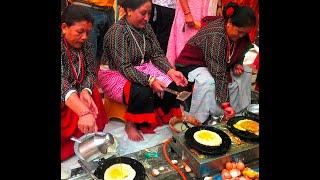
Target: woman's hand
(189, 20)
(177, 77)
(87, 123)
(86, 98)
(158, 86)
(219, 11)
(229, 112)
(238, 69)
(87, 119)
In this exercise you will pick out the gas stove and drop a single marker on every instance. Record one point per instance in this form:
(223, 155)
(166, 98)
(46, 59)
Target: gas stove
(206, 165)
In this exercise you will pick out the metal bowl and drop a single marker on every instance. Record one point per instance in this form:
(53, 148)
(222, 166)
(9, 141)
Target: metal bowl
(178, 125)
(253, 109)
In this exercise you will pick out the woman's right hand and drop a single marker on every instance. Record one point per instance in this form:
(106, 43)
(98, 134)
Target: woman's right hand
(238, 70)
(86, 98)
(87, 123)
(158, 86)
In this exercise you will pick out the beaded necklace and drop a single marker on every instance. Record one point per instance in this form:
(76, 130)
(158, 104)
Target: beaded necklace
(73, 69)
(144, 44)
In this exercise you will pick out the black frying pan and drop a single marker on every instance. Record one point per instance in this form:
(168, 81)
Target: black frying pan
(103, 164)
(244, 135)
(211, 150)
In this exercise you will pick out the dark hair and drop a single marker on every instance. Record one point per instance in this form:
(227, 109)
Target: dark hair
(132, 4)
(240, 16)
(74, 13)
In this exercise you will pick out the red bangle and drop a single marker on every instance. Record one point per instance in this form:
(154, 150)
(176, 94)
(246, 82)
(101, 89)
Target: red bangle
(84, 113)
(187, 13)
(225, 105)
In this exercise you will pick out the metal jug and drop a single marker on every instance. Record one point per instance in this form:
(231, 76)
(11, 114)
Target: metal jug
(93, 145)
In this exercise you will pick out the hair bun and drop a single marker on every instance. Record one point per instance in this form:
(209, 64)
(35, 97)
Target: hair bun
(122, 3)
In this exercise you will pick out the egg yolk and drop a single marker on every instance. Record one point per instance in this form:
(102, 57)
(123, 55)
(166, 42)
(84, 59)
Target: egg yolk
(118, 173)
(206, 135)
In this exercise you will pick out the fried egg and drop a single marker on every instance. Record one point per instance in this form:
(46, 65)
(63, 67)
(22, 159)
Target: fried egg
(119, 171)
(248, 125)
(207, 138)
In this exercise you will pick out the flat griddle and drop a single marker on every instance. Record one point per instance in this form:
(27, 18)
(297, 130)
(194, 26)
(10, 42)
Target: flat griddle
(244, 135)
(211, 150)
(103, 164)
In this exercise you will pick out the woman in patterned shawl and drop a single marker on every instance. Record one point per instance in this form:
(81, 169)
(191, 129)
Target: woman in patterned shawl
(212, 59)
(138, 71)
(82, 110)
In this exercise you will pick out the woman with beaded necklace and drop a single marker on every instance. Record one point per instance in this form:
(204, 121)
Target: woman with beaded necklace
(213, 59)
(82, 110)
(138, 71)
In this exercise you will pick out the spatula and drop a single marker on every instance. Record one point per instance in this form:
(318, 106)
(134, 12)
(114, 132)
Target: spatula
(182, 96)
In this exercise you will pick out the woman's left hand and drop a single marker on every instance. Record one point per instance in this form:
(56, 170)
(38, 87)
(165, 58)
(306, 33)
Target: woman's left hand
(189, 20)
(178, 77)
(219, 11)
(238, 69)
(86, 98)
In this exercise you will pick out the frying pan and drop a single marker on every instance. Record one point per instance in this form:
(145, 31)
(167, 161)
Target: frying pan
(244, 135)
(104, 164)
(211, 150)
